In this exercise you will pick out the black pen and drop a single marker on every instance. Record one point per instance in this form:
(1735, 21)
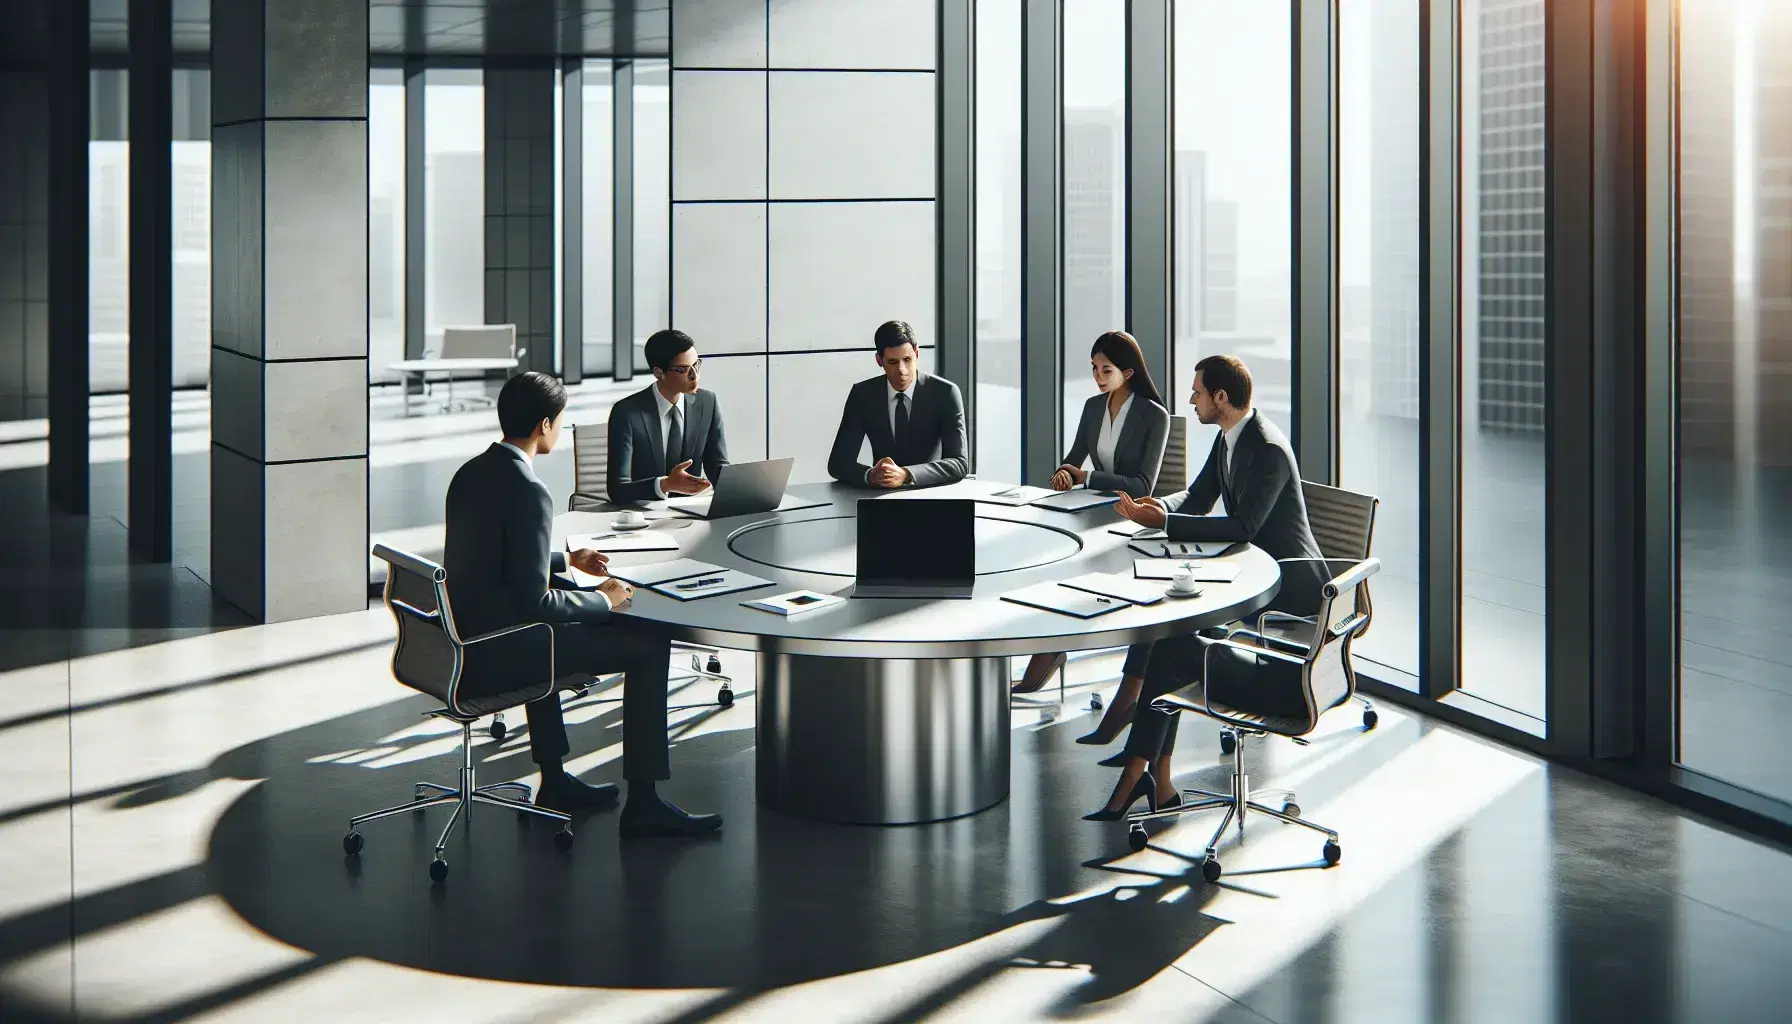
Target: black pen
(694, 584)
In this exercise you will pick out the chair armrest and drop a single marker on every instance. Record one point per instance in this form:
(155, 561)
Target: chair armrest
(495, 662)
(586, 495)
(694, 648)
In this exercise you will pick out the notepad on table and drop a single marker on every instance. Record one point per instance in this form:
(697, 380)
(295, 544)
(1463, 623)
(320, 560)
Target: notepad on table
(1167, 568)
(1074, 501)
(1137, 532)
(1120, 585)
(1014, 497)
(715, 584)
(1176, 548)
(1054, 597)
(796, 602)
(612, 543)
(663, 572)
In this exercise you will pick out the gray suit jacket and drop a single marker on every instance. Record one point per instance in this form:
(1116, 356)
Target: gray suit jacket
(499, 553)
(1264, 506)
(936, 452)
(1139, 453)
(638, 443)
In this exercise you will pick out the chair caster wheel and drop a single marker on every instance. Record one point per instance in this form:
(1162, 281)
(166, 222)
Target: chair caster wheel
(1333, 853)
(1136, 838)
(563, 840)
(715, 666)
(1210, 869)
(725, 697)
(1095, 702)
(438, 869)
(499, 730)
(1370, 718)
(1228, 742)
(352, 843)
(1291, 809)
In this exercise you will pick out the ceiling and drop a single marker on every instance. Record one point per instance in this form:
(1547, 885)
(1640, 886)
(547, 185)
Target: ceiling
(467, 29)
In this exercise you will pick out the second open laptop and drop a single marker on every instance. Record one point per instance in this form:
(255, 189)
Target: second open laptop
(741, 489)
(917, 547)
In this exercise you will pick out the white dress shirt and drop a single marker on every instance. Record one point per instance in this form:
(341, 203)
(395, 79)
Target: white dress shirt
(666, 408)
(529, 464)
(1109, 437)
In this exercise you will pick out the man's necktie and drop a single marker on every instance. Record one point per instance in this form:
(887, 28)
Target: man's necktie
(675, 440)
(901, 455)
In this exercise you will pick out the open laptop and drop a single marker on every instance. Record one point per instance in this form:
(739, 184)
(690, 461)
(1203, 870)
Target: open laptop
(741, 489)
(917, 547)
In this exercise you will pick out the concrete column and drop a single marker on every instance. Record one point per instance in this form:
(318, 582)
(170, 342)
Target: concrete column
(68, 284)
(151, 104)
(519, 208)
(289, 306)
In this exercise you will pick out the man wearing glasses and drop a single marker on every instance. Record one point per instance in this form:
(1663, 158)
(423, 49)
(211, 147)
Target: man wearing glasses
(659, 433)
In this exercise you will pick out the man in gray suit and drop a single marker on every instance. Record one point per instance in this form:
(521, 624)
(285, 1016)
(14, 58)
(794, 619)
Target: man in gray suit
(501, 570)
(658, 433)
(1252, 467)
(915, 422)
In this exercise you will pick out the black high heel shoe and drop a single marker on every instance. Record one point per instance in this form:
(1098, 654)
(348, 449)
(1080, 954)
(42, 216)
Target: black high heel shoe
(1116, 760)
(1146, 787)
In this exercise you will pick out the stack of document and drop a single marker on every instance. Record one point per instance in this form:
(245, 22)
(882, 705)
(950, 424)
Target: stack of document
(1055, 597)
(1137, 532)
(1167, 568)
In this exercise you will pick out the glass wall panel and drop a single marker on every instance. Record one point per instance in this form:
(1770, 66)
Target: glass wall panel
(385, 221)
(454, 186)
(1232, 200)
(599, 179)
(1378, 270)
(653, 201)
(997, 407)
(1094, 188)
(1735, 391)
(1502, 356)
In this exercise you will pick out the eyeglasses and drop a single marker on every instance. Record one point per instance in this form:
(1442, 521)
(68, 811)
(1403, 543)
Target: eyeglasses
(691, 370)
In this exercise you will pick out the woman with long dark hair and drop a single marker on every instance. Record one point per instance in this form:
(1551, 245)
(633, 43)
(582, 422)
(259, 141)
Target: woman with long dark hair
(1121, 436)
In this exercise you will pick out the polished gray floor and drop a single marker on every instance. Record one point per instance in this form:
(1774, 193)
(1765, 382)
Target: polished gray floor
(177, 782)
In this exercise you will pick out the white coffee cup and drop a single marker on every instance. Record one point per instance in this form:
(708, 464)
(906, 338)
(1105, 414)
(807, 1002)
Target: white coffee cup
(1183, 582)
(630, 517)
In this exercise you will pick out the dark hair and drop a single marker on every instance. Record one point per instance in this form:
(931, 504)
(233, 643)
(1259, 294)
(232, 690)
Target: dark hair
(1228, 374)
(1122, 349)
(895, 334)
(527, 399)
(664, 346)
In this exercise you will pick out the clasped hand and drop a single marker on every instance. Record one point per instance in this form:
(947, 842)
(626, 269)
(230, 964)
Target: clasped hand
(887, 474)
(1068, 476)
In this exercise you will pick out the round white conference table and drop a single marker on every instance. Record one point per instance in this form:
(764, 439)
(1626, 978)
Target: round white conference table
(896, 710)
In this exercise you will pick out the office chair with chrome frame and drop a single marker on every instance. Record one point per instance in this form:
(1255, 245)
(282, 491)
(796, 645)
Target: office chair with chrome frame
(1250, 676)
(1344, 525)
(472, 677)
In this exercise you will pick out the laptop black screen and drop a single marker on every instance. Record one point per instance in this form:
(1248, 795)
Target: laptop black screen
(917, 540)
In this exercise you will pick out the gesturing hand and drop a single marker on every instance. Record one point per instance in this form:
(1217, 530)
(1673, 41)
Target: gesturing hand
(1146, 511)
(618, 591)
(680, 481)
(887, 474)
(589, 561)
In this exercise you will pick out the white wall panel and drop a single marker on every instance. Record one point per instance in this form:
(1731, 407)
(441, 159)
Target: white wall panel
(739, 385)
(852, 135)
(853, 34)
(718, 275)
(718, 135)
(718, 34)
(838, 270)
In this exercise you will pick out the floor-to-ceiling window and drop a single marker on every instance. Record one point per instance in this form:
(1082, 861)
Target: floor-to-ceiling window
(653, 200)
(1094, 188)
(108, 234)
(598, 259)
(997, 298)
(1503, 333)
(1378, 273)
(1232, 199)
(385, 220)
(1735, 390)
(454, 187)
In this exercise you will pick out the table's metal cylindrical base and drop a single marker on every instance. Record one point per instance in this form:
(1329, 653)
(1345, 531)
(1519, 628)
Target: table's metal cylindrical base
(882, 741)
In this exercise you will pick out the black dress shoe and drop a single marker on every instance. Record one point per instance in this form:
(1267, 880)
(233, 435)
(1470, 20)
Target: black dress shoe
(1146, 787)
(567, 794)
(662, 819)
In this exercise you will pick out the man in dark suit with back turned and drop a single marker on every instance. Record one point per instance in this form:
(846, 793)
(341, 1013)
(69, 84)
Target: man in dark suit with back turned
(500, 566)
(1252, 467)
(658, 433)
(915, 422)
